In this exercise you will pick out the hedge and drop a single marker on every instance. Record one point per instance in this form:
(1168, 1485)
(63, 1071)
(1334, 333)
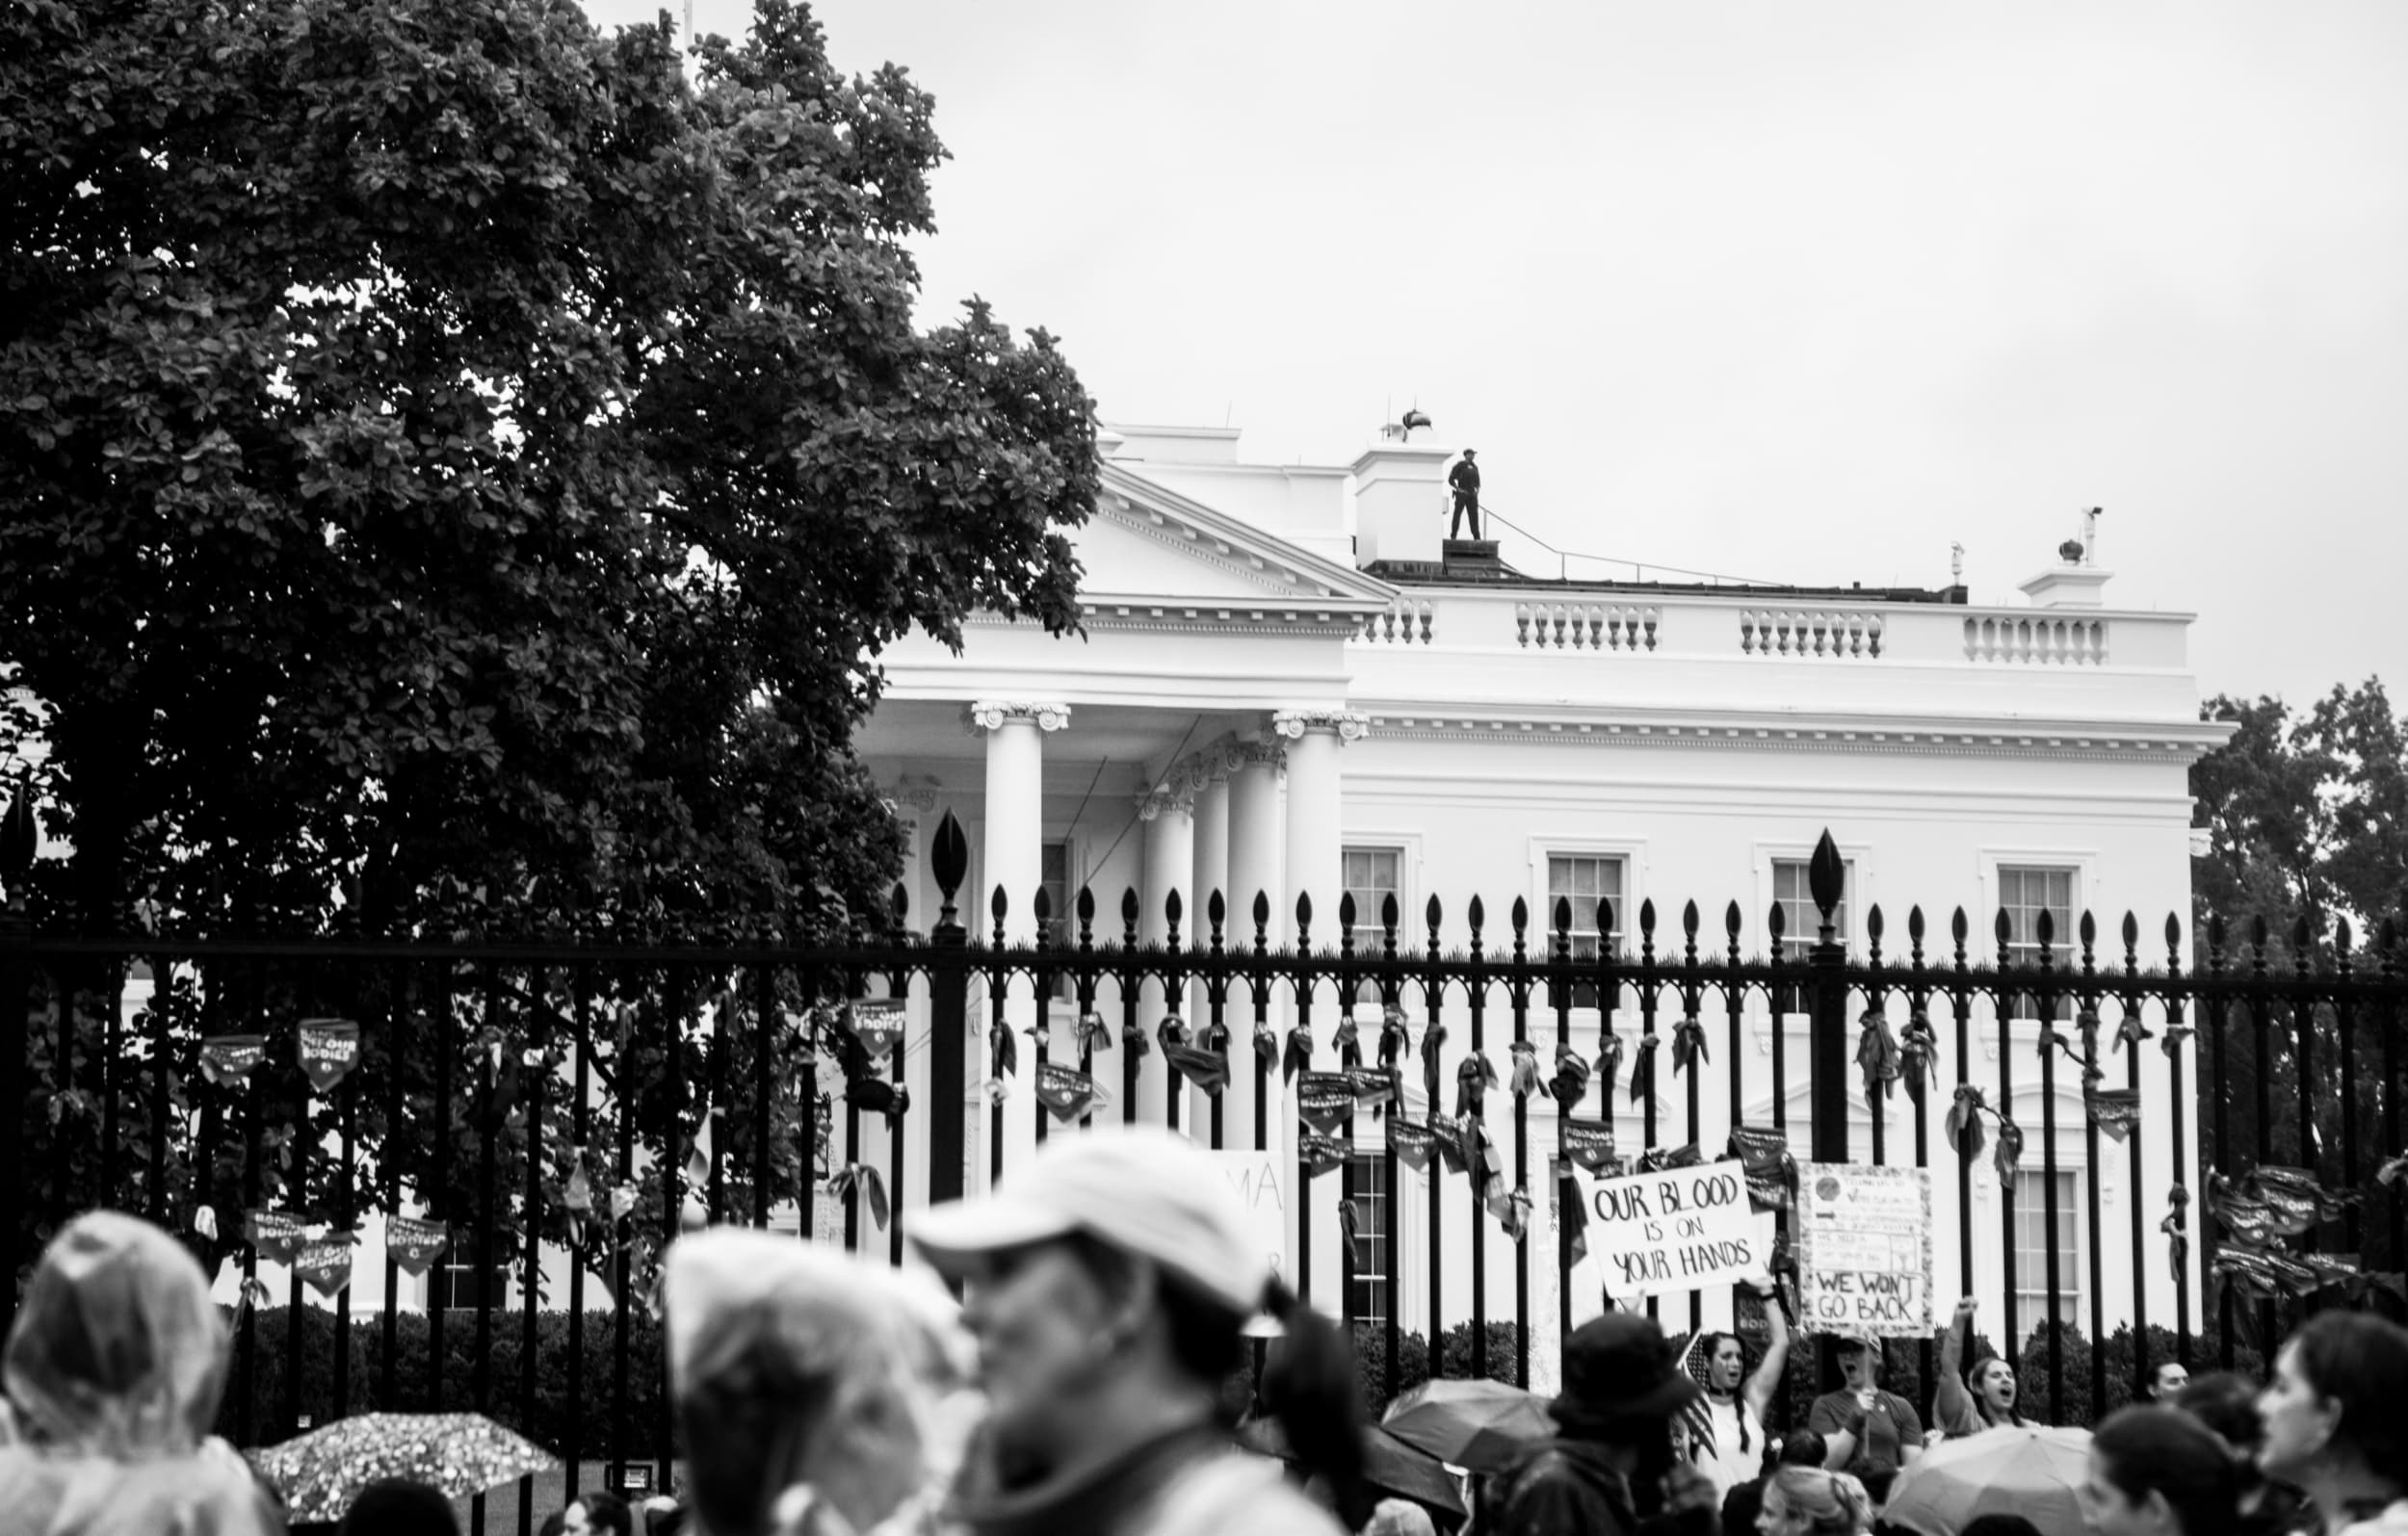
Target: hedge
(556, 1404)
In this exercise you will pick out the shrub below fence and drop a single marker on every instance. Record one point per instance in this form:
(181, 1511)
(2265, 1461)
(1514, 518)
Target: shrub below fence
(588, 1401)
(1904, 1372)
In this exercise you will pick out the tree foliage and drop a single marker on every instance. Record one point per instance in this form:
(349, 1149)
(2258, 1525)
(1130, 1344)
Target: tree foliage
(452, 458)
(2306, 813)
(461, 473)
(2306, 816)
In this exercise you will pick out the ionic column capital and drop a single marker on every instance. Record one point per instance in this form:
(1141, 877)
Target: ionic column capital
(1254, 754)
(1171, 795)
(992, 714)
(1344, 724)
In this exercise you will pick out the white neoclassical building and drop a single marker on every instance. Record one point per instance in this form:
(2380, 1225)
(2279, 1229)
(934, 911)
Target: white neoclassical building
(1287, 684)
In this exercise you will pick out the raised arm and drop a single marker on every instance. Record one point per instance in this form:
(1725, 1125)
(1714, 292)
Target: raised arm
(1950, 1403)
(1767, 1380)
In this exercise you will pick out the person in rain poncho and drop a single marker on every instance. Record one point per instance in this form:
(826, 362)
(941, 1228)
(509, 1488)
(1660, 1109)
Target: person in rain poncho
(819, 1394)
(115, 1368)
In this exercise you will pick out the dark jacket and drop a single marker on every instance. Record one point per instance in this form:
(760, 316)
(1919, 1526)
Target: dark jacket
(1571, 1488)
(1465, 476)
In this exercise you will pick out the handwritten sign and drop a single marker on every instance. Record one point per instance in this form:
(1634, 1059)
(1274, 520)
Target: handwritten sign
(1864, 1249)
(1675, 1230)
(1255, 1176)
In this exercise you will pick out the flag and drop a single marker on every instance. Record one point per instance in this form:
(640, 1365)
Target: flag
(1572, 1210)
(1697, 1416)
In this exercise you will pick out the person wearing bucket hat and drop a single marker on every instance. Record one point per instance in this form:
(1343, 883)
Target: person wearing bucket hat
(1110, 1281)
(1612, 1463)
(1871, 1432)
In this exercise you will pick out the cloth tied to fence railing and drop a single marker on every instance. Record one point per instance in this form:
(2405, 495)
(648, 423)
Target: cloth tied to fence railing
(1688, 1044)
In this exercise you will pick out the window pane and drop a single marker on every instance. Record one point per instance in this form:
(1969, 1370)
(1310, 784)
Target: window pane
(1369, 1292)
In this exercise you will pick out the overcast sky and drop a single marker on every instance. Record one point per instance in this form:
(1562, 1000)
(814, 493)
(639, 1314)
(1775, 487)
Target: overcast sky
(1793, 291)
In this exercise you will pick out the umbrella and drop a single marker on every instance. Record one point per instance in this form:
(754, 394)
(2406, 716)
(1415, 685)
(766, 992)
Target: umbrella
(458, 1454)
(1484, 1426)
(1389, 1465)
(2031, 1472)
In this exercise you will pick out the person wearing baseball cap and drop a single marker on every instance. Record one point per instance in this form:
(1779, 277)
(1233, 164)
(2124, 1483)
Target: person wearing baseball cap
(1612, 1462)
(1110, 1281)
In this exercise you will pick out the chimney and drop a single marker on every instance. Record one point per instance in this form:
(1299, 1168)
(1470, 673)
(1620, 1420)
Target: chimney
(2076, 580)
(1401, 499)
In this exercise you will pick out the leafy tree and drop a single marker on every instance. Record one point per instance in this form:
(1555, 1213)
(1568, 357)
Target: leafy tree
(451, 456)
(2306, 816)
(461, 475)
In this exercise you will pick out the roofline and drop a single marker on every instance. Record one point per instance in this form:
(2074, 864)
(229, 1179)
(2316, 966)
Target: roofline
(1344, 582)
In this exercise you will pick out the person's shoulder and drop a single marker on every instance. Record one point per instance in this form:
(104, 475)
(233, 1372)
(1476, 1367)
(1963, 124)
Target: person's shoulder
(1237, 1495)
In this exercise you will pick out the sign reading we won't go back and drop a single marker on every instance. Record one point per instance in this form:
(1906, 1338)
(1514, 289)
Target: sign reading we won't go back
(1864, 1249)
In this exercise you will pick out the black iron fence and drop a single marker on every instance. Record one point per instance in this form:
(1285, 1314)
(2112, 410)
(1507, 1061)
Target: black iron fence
(543, 1117)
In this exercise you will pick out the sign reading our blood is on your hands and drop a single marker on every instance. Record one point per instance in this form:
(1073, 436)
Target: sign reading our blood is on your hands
(1676, 1230)
(1864, 1249)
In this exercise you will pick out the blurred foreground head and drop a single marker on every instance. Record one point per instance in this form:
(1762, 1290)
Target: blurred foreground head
(118, 1351)
(796, 1367)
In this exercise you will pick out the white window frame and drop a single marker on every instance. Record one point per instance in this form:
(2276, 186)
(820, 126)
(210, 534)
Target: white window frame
(1633, 852)
(447, 1267)
(1412, 938)
(1384, 1230)
(1982, 944)
(1857, 859)
(2031, 1279)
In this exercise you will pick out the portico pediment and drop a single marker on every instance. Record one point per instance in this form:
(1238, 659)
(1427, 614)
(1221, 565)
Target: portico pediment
(1149, 547)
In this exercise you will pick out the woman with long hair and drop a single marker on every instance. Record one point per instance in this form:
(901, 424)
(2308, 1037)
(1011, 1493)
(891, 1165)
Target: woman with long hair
(1814, 1501)
(1112, 1280)
(1983, 1396)
(2157, 1472)
(2336, 1416)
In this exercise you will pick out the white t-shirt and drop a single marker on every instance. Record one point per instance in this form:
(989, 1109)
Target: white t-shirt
(1727, 1465)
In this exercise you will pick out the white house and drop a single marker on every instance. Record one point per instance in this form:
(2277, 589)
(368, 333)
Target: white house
(1287, 685)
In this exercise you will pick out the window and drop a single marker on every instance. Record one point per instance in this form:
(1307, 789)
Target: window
(456, 1287)
(2033, 1241)
(1584, 879)
(1367, 1294)
(1801, 921)
(1062, 926)
(1371, 879)
(2025, 893)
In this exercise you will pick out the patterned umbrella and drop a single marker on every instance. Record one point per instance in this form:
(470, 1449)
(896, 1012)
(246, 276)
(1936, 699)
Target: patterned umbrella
(321, 1473)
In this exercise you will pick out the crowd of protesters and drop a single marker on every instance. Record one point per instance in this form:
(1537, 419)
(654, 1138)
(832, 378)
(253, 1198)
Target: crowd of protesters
(1084, 1388)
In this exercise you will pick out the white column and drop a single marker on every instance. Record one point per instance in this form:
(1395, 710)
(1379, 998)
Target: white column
(1315, 840)
(1254, 849)
(1168, 813)
(1315, 869)
(1211, 780)
(1013, 858)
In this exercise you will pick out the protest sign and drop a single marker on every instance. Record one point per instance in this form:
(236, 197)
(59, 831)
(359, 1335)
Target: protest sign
(1674, 1230)
(1326, 1099)
(1256, 1178)
(414, 1243)
(326, 1263)
(1864, 1249)
(329, 1048)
